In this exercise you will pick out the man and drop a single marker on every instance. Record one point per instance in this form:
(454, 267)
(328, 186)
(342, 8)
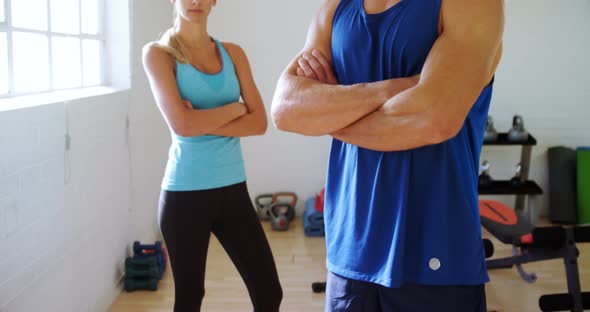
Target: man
(404, 88)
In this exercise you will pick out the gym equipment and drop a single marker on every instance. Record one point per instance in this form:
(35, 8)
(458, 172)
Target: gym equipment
(485, 179)
(526, 191)
(319, 200)
(517, 179)
(562, 185)
(583, 156)
(490, 134)
(280, 198)
(145, 269)
(530, 244)
(141, 263)
(318, 287)
(517, 133)
(142, 273)
(133, 284)
(279, 219)
(139, 248)
(264, 202)
(133, 272)
(149, 272)
(155, 251)
(313, 220)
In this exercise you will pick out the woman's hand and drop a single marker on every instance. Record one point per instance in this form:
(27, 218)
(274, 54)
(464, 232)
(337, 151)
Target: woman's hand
(187, 104)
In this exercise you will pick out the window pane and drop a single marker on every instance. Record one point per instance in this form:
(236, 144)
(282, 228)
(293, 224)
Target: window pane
(66, 62)
(92, 61)
(3, 63)
(90, 16)
(30, 62)
(30, 14)
(65, 16)
(2, 17)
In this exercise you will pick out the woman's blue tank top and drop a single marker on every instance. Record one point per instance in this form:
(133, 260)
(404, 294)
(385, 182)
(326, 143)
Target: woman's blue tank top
(207, 161)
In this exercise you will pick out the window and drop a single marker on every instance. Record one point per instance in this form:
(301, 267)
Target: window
(30, 14)
(2, 18)
(66, 62)
(3, 64)
(30, 62)
(48, 45)
(65, 16)
(91, 24)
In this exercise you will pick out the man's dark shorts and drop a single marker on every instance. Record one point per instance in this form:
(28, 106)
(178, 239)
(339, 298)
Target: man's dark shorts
(343, 294)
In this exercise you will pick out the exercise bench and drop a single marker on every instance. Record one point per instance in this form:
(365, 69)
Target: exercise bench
(532, 244)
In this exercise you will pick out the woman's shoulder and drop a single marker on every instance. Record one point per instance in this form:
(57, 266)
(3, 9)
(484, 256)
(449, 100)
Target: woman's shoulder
(154, 47)
(155, 51)
(235, 51)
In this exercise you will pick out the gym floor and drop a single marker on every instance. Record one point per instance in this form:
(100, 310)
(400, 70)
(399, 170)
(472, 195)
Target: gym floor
(300, 261)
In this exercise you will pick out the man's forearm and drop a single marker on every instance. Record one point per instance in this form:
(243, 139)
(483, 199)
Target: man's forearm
(404, 122)
(310, 107)
(364, 134)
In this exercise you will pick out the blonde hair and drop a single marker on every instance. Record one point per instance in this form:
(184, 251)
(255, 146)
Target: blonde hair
(170, 43)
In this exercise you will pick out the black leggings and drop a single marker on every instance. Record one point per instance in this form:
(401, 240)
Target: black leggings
(187, 219)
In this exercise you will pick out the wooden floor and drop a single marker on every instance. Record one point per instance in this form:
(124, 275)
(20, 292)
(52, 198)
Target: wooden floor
(300, 261)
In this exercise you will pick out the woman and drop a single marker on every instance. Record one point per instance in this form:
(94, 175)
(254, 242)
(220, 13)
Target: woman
(197, 82)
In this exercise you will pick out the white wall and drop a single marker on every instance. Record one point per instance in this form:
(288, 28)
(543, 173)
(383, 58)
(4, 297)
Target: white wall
(150, 138)
(64, 216)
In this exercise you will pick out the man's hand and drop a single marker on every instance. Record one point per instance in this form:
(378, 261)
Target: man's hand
(310, 100)
(315, 66)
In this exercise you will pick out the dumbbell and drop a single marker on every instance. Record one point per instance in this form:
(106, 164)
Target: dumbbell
(145, 264)
(490, 134)
(485, 179)
(141, 264)
(141, 261)
(139, 248)
(132, 272)
(155, 250)
(132, 284)
(278, 216)
(517, 179)
(517, 133)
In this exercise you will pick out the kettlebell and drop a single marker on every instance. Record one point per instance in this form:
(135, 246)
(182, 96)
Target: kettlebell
(281, 197)
(490, 134)
(517, 179)
(262, 204)
(484, 178)
(517, 133)
(278, 216)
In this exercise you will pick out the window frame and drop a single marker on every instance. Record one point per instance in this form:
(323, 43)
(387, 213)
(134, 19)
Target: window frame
(7, 28)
